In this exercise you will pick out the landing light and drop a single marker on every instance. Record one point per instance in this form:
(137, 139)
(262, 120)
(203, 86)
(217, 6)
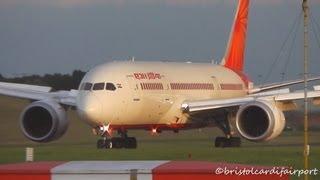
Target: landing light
(154, 131)
(105, 129)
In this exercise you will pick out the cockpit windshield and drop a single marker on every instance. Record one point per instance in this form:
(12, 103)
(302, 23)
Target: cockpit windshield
(110, 87)
(86, 86)
(97, 86)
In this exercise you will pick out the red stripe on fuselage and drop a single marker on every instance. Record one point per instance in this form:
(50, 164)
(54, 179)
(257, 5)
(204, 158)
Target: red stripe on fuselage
(159, 126)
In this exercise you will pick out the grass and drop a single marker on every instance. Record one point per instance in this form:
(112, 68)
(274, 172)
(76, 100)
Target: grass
(79, 144)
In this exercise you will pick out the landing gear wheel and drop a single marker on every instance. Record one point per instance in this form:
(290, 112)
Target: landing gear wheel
(130, 143)
(108, 144)
(227, 142)
(118, 142)
(235, 142)
(101, 144)
(219, 142)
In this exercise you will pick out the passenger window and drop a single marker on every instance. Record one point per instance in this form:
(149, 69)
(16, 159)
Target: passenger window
(110, 87)
(98, 86)
(87, 86)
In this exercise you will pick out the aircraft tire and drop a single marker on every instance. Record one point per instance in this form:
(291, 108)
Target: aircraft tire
(101, 144)
(130, 143)
(117, 142)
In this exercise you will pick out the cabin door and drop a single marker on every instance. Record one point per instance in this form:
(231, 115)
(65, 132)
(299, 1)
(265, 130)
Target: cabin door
(216, 88)
(134, 98)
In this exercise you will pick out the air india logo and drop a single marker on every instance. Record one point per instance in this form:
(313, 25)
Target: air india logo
(148, 75)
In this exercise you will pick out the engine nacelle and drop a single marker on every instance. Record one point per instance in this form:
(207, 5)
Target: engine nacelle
(260, 121)
(44, 121)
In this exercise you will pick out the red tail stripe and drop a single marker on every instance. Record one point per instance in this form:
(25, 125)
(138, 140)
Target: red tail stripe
(234, 58)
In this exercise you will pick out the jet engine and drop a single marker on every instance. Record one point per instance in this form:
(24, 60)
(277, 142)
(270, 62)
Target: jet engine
(260, 121)
(44, 121)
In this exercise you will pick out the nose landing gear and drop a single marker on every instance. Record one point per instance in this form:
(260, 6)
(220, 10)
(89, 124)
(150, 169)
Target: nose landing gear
(117, 142)
(120, 142)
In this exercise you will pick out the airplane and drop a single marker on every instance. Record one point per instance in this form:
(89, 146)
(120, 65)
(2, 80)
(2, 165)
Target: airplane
(165, 96)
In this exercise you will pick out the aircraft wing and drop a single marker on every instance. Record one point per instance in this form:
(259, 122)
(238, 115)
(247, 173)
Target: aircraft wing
(34, 92)
(283, 96)
(268, 87)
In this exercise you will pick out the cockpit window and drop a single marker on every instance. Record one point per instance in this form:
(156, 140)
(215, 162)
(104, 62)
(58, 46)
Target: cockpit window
(82, 86)
(98, 86)
(87, 86)
(110, 87)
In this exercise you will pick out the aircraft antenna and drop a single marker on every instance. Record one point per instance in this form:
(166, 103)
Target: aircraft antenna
(306, 148)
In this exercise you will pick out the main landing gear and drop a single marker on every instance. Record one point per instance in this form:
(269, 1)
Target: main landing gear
(228, 140)
(117, 142)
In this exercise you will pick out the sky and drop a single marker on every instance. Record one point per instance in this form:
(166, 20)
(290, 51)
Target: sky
(58, 36)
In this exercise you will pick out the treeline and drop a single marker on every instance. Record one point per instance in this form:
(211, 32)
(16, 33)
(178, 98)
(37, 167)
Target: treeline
(294, 119)
(57, 81)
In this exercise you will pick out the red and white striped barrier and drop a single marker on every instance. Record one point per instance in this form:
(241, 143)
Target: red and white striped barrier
(132, 170)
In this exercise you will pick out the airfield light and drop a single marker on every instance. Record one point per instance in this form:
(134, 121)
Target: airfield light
(29, 154)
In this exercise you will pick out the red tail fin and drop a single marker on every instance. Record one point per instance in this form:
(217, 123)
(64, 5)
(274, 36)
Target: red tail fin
(234, 57)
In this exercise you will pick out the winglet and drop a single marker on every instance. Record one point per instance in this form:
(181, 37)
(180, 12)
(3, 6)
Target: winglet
(234, 56)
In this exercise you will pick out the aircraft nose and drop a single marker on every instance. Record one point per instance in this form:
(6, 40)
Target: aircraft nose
(90, 108)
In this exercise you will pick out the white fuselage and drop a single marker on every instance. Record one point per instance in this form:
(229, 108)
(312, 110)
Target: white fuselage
(148, 94)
